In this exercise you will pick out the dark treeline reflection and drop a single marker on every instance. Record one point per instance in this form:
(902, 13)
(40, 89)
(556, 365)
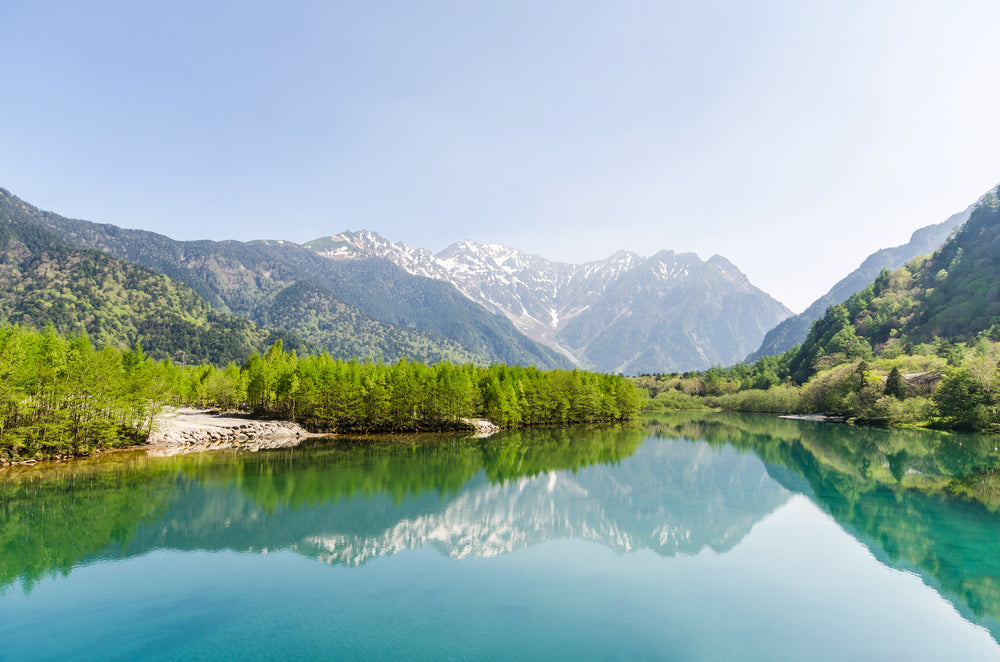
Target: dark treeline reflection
(55, 516)
(921, 500)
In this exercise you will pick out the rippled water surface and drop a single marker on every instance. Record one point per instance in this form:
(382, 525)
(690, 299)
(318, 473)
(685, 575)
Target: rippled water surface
(701, 537)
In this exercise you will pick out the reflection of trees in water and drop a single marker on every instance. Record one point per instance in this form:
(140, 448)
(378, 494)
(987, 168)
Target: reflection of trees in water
(54, 516)
(349, 501)
(926, 461)
(895, 488)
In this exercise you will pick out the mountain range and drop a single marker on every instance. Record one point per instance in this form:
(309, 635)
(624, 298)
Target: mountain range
(367, 310)
(629, 314)
(360, 295)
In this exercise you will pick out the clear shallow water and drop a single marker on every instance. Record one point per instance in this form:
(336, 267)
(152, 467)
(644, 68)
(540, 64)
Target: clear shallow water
(668, 542)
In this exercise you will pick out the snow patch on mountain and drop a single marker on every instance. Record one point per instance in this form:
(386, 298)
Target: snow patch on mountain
(543, 298)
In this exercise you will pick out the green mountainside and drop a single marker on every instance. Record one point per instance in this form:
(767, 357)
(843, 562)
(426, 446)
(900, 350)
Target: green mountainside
(44, 280)
(367, 309)
(387, 292)
(952, 295)
(794, 330)
(347, 332)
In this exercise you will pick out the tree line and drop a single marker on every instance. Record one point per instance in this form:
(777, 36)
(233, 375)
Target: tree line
(61, 395)
(940, 384)
(327, 394)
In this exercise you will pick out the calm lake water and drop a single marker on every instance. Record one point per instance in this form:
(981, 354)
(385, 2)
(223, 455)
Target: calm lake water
(692, 537)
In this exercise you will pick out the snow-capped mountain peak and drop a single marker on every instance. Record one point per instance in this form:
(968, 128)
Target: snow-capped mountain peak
(567, 306)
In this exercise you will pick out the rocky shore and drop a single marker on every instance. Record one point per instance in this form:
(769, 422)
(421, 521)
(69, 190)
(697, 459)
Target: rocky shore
(483, 427)
(187, 430)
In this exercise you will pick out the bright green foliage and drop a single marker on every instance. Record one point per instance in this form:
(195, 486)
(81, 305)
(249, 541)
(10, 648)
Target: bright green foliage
(966, 299)
(831, 340)
(783, 399)
(334, 395)
(63, 396)
(966, 376)
(944, 298)
(675, 391)
(674, 399)
(964, 402)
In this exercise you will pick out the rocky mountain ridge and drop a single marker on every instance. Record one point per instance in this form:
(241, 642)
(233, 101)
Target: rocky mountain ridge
(625, 313)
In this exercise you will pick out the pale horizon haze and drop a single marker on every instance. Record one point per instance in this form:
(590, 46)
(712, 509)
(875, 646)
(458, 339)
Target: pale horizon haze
(793, 138)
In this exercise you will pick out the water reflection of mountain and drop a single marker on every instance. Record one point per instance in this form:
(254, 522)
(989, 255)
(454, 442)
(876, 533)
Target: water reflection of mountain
(347, 503)
(668, 497)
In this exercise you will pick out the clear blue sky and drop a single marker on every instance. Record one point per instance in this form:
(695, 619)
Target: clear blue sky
(794, 138)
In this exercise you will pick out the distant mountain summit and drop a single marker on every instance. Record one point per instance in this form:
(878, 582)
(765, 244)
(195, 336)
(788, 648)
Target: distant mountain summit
(625, 313)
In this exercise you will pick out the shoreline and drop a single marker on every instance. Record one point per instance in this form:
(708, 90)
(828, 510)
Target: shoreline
(186, 429)
(189, 430)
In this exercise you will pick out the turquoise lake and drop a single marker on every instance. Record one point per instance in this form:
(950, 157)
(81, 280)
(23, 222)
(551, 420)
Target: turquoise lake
(690, 537)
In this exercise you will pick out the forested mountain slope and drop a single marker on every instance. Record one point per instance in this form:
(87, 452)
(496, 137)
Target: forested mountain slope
(952, 295)
(794, 329)
(44, 280)
(365, 310)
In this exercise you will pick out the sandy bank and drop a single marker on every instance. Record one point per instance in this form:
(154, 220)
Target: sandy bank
(185, 429)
